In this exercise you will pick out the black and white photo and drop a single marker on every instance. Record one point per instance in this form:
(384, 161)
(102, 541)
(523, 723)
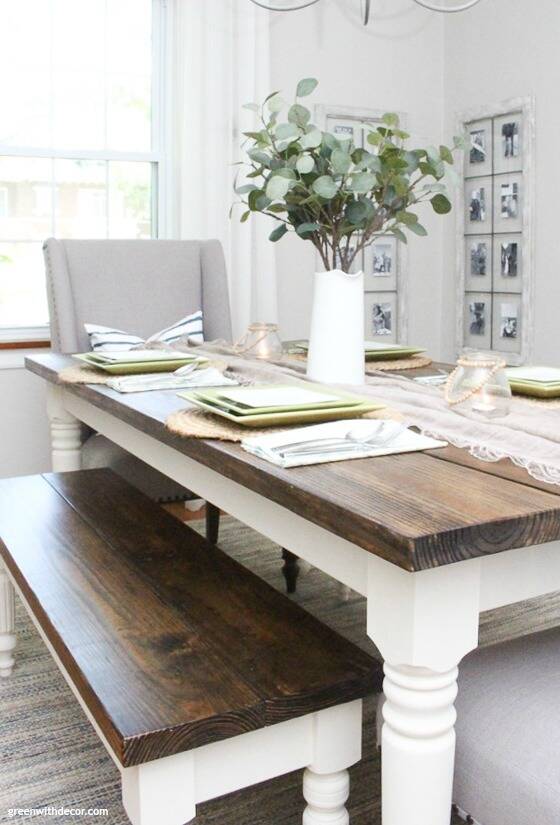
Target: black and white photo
(510, 139)
(479, 258)
(509, 260)
(477, 323)
(477, 206)
(381, 319)
(508, 320)
(478, 146)
(382, 259)
(509, 200)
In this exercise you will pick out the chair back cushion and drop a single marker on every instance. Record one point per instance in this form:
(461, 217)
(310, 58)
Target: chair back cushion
(141, 286)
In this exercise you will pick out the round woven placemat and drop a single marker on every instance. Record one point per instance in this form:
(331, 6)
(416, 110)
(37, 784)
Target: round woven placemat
(543, 403)
(82, 375)
(191, 423)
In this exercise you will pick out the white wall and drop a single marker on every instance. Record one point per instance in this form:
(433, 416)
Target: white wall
(24, 437)
(503, 49)
(394, 64)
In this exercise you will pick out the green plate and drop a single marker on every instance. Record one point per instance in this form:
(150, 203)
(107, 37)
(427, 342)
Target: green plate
(136, 367)
(215, 396)
(276, 419)
(535, 388)
(392, 354)
(381, 354)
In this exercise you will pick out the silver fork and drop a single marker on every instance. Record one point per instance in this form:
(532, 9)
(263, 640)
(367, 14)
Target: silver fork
(386, 432)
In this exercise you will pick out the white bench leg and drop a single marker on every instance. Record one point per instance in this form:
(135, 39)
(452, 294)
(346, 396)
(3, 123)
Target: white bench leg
(161, 792)
(66, 434)
(337, 745)
(7, 624)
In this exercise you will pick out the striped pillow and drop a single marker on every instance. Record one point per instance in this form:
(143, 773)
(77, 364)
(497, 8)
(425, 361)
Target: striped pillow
(106, 339)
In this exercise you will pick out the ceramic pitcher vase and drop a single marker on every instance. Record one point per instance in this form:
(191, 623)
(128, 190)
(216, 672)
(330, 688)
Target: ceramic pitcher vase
(336, 339)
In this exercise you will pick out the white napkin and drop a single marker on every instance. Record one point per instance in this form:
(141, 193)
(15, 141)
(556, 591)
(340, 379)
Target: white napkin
(208, 377)
(263, 446)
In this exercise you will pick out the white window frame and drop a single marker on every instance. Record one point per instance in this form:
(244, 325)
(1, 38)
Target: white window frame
(160, 156)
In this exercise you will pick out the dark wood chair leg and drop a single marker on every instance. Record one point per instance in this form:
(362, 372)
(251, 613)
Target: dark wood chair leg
(290, 570)
(212, 522)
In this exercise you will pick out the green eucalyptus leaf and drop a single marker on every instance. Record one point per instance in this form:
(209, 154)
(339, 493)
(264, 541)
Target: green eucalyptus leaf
(259, 156)
(311, 140)
(245, 189)
(362, 182)
(253, 107)
(304, 230)
(445, 155)
(417, 228)
(287, 131)
(275, 103)
(408, 218)
(257, 201)
(441, 205)
(299, 115)
(398, 233)
(245, 216)
(278, 233)
(305, 164)
(374, 138)
(277, 187)
(325, 187)
(356, 212)
(341, 162)
(391, 119)
(306, 86)
(330, 141)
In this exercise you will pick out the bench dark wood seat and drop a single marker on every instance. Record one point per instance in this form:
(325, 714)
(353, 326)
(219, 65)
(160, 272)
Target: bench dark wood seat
(170, 644)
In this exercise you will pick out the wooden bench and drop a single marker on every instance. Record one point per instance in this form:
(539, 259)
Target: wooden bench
(198, 676)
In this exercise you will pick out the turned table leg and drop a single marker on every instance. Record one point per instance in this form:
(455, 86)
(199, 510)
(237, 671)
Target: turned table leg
(7, 624)
(423, 623)
(66, 434)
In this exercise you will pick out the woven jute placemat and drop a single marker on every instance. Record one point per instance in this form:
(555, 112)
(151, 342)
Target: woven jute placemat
(82, 375)
(543, 403)
(191, 423)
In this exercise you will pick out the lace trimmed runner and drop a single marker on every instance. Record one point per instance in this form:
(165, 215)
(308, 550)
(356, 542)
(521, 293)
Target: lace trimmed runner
(529, 436)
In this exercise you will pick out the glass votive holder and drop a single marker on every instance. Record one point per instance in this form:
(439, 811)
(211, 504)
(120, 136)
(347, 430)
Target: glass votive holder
(479, 384)
(261, 341)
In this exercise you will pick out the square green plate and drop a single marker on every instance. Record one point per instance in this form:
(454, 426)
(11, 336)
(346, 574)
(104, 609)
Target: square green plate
(136, 367)
(276, 419)
(537, 389)
(216, 397)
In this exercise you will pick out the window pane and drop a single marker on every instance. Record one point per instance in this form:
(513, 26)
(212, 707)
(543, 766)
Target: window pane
(25, 198)
(24, 69)
(130, 200)
(81, 198)
(129, 74)
(23, 297)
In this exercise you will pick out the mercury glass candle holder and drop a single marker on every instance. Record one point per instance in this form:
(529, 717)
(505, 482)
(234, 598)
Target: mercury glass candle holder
(479, 384)
(261, 341)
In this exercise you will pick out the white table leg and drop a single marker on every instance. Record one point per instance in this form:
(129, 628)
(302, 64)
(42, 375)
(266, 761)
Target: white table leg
(423, 624)
(7, 624)
(66, 433)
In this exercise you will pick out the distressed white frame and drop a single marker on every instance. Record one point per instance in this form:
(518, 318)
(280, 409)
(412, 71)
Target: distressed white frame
(324, 112)
(160, 156)
(525, 105)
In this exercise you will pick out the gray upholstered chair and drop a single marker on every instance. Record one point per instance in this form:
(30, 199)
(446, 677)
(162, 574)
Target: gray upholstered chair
(507, 769)
(140, 286)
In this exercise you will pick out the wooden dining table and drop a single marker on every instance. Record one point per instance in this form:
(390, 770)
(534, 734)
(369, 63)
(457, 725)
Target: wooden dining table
(430, 539)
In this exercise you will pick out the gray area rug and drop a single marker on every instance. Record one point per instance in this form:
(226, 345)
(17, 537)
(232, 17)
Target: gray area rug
(50, 755)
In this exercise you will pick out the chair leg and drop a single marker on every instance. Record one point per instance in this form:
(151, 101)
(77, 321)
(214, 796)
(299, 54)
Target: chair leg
(7, 624)
(212, 522)
(290, 570)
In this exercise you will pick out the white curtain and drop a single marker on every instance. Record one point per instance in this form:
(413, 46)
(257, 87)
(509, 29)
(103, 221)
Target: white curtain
(221, 61)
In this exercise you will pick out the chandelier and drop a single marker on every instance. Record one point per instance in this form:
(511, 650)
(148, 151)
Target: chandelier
(432, 5)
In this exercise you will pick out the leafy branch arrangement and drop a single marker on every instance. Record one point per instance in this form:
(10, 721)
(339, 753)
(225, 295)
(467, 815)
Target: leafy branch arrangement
(332, 193)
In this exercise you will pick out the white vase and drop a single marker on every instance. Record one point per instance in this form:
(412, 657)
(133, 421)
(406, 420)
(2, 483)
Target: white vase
(336, 339)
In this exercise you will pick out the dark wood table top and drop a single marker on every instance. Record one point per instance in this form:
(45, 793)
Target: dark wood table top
(416, 510)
